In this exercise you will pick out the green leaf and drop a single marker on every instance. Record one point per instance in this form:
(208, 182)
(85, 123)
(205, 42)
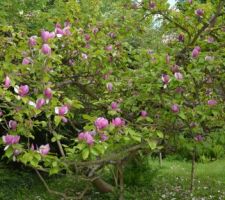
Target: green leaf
(159, 134)
(85, 153)
(9, 152)
(152, 144)
(57, 120)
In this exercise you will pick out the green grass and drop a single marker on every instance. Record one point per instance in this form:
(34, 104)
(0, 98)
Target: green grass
(171, 181)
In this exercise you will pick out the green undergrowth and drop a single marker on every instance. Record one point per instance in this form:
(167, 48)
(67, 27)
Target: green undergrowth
(150, 181)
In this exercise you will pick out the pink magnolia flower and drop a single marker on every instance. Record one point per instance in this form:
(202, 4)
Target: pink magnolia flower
(101, 123)
(66, 31)
(209, 58)
(12, 124)
(118, 122)
(175, 68)
(210, 40)
(178, 76)
(109, 48)
(10, 139)
(48, 93)
(165, 78)
(84, 56)
(104, 137)
(45, 35)
(152, 5)
(46, 49)
(114, 105)
(95, 30)
(196, 52)
(32, 41)
(16, 152)
(109, 87)
(7, 82)
(87, 37)
(64, 119)
(144, 113)
(26, 61)
(87, 137)
(198, 138)
(23, 90)
(44, 149)
(59, 32)
(175, 108)
(112, 35)
(212, 102)
(61, 110)
(181, 37)
(39, 103)
(199, 12)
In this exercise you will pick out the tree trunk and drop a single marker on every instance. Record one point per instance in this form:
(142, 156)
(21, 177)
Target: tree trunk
(160, 159)
(192, 172)
(102, 186)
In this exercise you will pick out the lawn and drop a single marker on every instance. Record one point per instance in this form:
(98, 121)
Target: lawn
(171, 181)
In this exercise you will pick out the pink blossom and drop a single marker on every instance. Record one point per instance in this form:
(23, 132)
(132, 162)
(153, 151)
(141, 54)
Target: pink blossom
(175, 108)
(95, 30)
(23, 90)
(178, 76)
(44, 149)
(109, 87)
(46, 49)
(101, 123)
(209, 58)
(32, 41)
(165, 78)
(109, 48)
(212, 102)
(181, 37)
(198, 138)
(152, 5)
(84, 56)
(7, 82)
(66, 31)
(39, 103)
(61, 110)
(45, 35)
(10, 139)
(16, 152)
(114, 105)
(87, 37)
(144, 113)
(59, 32)
(87, 137)
(210, 40)
(196, 52)
(190, 1)
(48, 93)
(118, 122)
(112, 35)
(175, 68)
(12, 124)
(199, 12)
(64, 119)
(103, 137)
(26, 61)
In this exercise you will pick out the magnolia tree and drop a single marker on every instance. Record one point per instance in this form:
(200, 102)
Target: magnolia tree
(87, 94)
